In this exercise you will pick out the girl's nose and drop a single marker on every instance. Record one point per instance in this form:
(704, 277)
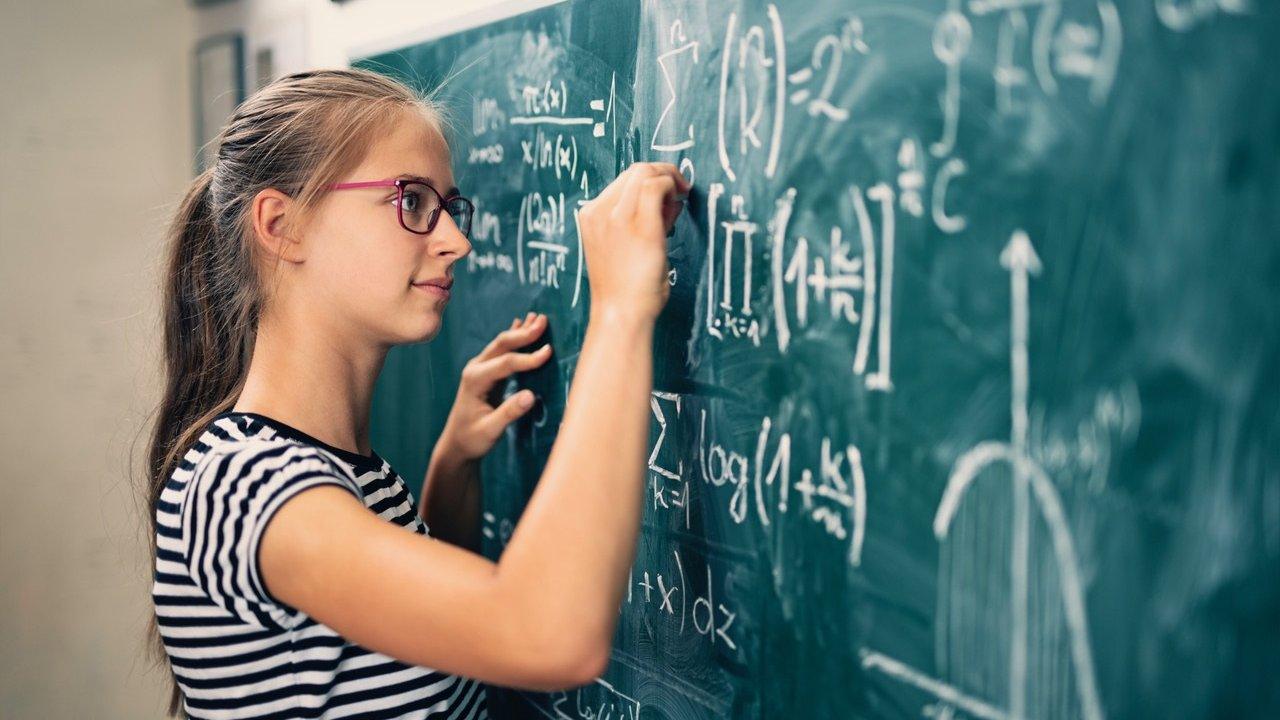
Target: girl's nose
(448, 239)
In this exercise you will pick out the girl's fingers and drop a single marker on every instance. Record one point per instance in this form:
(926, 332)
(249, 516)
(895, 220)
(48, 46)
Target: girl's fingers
(520, 333)
(656, 192)
(664, 169)
(633, 178)
(614, 189)
(485, 374)
(643, 176)
(509, 411)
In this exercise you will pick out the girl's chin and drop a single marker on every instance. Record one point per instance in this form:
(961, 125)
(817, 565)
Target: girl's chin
(430, 330)
(420, 331)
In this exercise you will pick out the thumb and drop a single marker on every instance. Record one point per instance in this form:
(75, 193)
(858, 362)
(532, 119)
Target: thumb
(511, 409)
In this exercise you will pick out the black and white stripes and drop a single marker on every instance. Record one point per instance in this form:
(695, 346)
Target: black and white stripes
(236, 650)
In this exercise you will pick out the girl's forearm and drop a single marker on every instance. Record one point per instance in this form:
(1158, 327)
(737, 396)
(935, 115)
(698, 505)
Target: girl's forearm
(574, 545)
(450, 504)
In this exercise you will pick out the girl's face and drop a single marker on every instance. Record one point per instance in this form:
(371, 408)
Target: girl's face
(372, 274)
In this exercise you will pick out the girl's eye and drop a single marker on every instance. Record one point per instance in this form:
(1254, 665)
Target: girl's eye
(411, 201)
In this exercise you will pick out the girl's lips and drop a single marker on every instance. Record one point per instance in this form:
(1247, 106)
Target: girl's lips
(436, 290)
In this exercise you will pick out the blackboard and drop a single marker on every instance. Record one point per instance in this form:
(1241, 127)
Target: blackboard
(967, 400)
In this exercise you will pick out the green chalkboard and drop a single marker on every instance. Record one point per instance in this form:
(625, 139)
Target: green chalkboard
(967, 398)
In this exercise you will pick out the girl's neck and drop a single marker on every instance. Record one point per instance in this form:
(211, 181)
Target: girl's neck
(314, 381)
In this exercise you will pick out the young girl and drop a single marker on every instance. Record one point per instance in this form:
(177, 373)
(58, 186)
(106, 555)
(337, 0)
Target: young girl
(293, 577)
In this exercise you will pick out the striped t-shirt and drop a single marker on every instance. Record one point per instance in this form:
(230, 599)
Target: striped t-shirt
(236, 650)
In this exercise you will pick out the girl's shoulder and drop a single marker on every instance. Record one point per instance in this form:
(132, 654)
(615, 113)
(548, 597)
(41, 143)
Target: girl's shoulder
(237, 447)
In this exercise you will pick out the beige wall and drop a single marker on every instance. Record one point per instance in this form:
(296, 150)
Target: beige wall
(99, 92)
(95, 92)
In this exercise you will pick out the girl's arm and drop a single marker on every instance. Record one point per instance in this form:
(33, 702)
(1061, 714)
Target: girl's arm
(542, 617)
(450, 500)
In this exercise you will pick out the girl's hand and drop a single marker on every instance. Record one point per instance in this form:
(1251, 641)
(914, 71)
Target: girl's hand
(624, 239)
(479, 414)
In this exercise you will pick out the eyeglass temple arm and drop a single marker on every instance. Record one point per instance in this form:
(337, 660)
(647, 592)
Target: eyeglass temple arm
(365, 184)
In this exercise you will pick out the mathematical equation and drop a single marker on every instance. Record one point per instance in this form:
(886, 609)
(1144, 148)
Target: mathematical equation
(760, 483)
(767, 279)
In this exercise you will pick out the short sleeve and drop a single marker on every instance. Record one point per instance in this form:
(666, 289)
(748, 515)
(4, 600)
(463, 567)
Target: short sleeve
(420, 526)
(233, 495)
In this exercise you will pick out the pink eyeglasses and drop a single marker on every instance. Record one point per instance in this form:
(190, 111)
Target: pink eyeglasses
(418, 204)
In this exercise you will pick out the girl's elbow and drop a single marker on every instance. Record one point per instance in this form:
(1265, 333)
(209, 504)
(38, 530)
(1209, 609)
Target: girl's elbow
(591, 664)
(569, 662)
(559, 647)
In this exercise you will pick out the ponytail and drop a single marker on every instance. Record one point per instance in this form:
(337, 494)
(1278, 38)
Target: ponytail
(204, 352)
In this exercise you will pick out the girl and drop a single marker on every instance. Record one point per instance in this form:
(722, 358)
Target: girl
(293, 578)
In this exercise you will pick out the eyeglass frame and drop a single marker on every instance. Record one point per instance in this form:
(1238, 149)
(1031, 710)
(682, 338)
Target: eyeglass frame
(399, 184)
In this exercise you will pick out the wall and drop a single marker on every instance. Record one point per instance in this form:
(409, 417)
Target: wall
(316, 33)
(95, 125)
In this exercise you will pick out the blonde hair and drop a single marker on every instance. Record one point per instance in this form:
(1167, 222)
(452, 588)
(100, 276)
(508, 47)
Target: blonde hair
(296, 134)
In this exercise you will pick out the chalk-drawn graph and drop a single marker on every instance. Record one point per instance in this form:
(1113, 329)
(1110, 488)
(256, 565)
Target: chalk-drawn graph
(1030, 482)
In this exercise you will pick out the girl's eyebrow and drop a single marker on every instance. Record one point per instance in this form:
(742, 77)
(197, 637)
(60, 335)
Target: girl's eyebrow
(423, 179)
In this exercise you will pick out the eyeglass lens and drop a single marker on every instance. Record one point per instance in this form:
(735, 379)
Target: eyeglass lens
(420, 203)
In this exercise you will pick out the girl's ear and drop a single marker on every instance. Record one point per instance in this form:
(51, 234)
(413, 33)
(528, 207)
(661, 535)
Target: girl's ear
(272, 229)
